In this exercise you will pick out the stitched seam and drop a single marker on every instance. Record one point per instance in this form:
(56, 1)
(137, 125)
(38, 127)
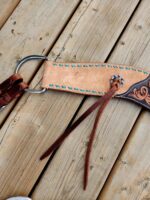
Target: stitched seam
(74, 65)
(74, 89)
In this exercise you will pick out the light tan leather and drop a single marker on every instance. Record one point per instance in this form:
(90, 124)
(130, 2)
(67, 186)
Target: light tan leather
(89, 78)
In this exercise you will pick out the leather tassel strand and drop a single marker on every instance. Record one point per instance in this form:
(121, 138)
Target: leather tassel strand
(116, 82)
(68, 130)
(107, 97)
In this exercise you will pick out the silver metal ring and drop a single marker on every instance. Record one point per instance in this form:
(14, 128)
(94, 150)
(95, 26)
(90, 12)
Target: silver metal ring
(26, 59)
(2, 108)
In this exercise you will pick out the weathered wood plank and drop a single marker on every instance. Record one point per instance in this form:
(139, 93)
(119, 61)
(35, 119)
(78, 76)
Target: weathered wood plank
(63, 178)
(31, 29)
(6, 8)
(19, 38)
(38, 120)
(66, 181)
(130, 178)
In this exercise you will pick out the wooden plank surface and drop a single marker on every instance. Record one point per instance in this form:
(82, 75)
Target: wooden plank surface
(38, 120)
(65, 182)
(31, 29)
(130, 178)
(6, 8)
(27, 33)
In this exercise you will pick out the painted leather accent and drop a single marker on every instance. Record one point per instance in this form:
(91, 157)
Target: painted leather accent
(139, 93)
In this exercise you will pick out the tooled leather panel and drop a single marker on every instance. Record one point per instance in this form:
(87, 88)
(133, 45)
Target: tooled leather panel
(139, 93)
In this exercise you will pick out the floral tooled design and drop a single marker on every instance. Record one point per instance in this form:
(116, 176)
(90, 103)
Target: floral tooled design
(141, 93)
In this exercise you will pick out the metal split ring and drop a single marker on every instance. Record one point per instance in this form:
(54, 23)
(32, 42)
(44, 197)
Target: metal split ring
(26, 59)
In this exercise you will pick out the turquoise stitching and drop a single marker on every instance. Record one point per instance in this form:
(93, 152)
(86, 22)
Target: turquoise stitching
(57, 86)
(61, 65)
(63, 86)
(93, 91)
(54, 64)
(76, 89)
(133, 69)
(70, 88)
(99, 65)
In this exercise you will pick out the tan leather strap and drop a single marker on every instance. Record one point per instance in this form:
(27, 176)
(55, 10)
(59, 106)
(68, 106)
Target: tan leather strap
(89, 78)
(94, 79)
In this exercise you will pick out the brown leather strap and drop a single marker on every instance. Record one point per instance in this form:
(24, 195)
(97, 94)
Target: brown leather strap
(11, 88)
(8, 83)
(68, 130)
(106, 98)
(115, 85)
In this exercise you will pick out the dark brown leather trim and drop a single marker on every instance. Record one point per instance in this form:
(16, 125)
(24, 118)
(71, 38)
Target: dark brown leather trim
(11, 88)
(139, 93)
(8, 83)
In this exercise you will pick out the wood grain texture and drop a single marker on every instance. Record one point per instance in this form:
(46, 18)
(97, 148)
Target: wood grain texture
(31, 29)
(139, 48)
(130, 178)
(37, 120)
(6, 9)
(65, 182)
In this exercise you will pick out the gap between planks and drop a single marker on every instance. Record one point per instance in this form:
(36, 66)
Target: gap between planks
(142, 63)
(103, 190)
(41, 62)
(6, 9)
(53, 154)
(31, 49)
(135, 155)
(85, 98)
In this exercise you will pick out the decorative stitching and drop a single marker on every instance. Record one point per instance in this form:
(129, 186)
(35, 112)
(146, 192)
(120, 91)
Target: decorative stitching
(74, 65)
(75, 89)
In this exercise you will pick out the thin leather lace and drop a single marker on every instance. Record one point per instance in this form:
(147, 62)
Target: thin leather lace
(102, 102)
